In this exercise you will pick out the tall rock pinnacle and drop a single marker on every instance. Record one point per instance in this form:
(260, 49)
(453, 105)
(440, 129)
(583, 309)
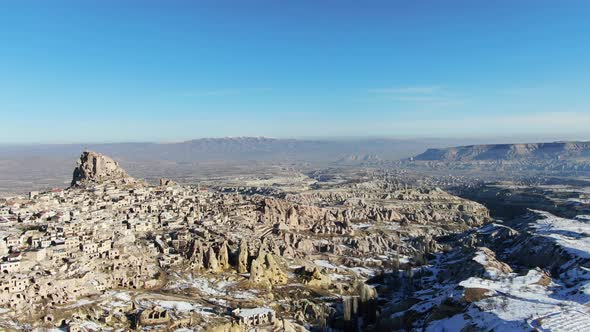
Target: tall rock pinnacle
(95, 168)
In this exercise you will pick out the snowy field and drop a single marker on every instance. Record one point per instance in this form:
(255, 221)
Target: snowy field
(533, 301)
(571, 234)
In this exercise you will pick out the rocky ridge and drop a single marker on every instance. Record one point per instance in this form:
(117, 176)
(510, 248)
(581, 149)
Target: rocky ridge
(95, 168)
(498, 152)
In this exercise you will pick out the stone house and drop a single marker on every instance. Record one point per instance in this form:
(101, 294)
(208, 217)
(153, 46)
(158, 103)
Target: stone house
(90, 247)
(255, 316)
(9, 267)
(12, 241)
(72, 243)
(154, 316)
(58, 252)
(4, 211)
(16, 284)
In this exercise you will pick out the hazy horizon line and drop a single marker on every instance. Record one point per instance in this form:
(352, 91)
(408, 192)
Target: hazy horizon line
(520, 139)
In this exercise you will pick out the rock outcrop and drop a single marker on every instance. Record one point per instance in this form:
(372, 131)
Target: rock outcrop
(95, 168)
(317, 279)
(243, 258)
(167, 182)
(494, 152)
(266, 271)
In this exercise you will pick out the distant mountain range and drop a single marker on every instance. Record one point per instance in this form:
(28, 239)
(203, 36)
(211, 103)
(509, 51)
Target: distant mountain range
(26, 167)
(335, 151)
(496, 152)
(238, 149)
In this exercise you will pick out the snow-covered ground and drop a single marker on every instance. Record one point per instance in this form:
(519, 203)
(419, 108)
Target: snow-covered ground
(79, 303)
(567, 321)
(214, 289)
(571, 234)
(203, 285)
(172, 303)
(362, 271)
(482, 258)
(521, 299)
(325, 264)
(533, 301)
(518, 303)
(362, 225)
(90, 326)
(183, 306)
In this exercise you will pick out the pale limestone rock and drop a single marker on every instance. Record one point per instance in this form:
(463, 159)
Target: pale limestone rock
(223, 257)
(264, 270)
(243, 258)
(95, 168)
(212, 262)
(318, 279)
(167, 182)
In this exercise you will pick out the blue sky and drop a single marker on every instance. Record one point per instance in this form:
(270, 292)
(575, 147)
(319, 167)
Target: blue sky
(106, 71)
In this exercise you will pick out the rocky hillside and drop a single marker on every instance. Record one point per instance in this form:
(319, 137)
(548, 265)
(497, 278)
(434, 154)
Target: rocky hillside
(95, 168)
(173, 257)
(496, 152)
(529, 274)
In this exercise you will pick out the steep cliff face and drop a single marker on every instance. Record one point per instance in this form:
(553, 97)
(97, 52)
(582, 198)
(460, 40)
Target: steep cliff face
(493, 152)
(95, 168)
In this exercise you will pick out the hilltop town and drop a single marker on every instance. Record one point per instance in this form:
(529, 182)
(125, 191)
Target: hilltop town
(113, 252)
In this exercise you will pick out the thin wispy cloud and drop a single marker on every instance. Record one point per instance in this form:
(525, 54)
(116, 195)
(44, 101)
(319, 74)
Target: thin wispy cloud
(413, 98)
(574, 120)
(223, 92)
(408, 90)
(519, 92)
(542, 123)
(427, 95)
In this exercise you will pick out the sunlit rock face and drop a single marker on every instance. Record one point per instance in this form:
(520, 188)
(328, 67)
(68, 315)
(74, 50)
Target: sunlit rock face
(95, 168)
